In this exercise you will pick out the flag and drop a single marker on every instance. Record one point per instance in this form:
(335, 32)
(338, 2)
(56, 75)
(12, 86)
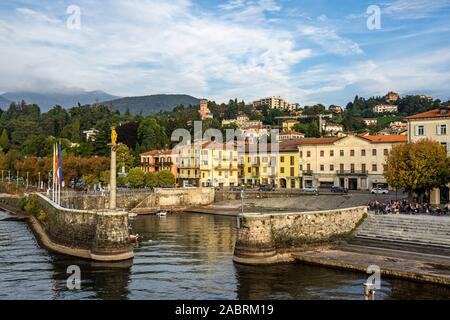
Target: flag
(60, 172)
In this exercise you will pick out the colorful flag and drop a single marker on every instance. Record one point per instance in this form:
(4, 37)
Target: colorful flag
(60, 172)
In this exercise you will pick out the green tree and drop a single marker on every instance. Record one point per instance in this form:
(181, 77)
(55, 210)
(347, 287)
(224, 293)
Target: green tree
(418, 166)
(151, 179)
(151, 135)
(125, 158)
(165, 179)
(136, 178)
(4, 140)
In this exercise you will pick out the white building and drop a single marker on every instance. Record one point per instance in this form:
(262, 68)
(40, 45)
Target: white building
(385, 108)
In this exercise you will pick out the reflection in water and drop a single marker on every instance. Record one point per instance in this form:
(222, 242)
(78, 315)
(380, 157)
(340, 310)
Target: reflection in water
(181, 257)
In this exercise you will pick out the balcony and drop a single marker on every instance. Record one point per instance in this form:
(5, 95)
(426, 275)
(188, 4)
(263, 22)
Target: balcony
(163, 164)
(308, 173)
(352, 173)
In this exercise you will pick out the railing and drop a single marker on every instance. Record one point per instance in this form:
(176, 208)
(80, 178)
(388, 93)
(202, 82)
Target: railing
(307, 172)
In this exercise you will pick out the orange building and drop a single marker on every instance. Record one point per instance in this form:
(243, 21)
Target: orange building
(159, 160)
(205, 113)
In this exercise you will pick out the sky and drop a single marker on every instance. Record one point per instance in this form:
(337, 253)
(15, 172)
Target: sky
(307, 51)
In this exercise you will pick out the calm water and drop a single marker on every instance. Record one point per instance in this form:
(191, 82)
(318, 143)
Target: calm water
(182, 257)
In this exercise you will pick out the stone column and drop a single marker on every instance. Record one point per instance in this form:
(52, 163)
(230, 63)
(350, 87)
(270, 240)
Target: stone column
(112, 181)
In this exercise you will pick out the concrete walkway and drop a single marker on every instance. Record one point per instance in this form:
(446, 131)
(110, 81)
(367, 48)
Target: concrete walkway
(396, 264)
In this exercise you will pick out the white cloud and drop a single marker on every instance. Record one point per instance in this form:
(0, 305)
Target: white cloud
(146, 47)
(329, 40)
(414, 9)
(40, 17)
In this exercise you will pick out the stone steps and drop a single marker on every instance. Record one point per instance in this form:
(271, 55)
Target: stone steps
(409, 233)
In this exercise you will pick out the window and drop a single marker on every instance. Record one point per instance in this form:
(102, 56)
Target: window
(301, 167)
(282, 159)
(322, 153)
(292, 172)
(374, 168)
(386, 152)
(282, 170)
(363, 168)
(352, 153)
(444, 144)
(308, 167)
(363, 152)
(331, 167)
(322, 167)
(308, 154)
(301, 154)
(292, 161)
(249, 170)
(341, 167)
(331, 153)
(442, 130)
(342, 153)
(374, 152)
(352, 168)
(420, 130)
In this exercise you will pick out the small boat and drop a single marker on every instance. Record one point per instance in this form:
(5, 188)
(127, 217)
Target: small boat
(134, 237)
(132, 215)
(162, 214)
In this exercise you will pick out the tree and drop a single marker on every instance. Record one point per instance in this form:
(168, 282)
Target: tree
(124, 157)
(165, 179)
(4, 140)
(419, 166)
(151, 179)
(136, 178)
(151, 135)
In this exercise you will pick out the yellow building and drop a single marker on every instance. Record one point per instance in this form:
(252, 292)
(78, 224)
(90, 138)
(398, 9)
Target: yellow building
(259, 166)
(433, 125)
(352, 162)
(288, 176)
(207, 165)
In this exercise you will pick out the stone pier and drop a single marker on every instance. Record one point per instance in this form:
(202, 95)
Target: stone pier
(272, 238)
(98, 236)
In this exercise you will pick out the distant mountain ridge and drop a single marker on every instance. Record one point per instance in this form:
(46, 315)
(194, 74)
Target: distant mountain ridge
(151, 104)
(4, 103)
(46, 101)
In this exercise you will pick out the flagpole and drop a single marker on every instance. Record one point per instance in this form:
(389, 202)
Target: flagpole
(53, 175)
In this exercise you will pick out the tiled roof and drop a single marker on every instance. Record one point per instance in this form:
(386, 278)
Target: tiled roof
(436, 113)
(157, 153)
(386, 138)
(329, 140)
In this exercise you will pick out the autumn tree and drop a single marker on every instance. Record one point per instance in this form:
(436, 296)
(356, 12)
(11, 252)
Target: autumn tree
(418, 166)
(125, 158)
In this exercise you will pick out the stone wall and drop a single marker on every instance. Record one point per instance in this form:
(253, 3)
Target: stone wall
(98, 202)
(86, 234)
(176, 199)
(269, 238)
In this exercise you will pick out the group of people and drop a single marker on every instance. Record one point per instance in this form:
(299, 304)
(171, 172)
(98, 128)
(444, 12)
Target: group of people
(404, 207)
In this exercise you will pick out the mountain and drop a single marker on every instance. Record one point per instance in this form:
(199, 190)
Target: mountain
(4, 103)
(66, 99)
(152, 104)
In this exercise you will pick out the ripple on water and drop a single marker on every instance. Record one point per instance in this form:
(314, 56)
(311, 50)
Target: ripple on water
(183, 257)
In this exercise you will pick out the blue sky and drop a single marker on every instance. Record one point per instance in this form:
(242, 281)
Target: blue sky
(307, 51)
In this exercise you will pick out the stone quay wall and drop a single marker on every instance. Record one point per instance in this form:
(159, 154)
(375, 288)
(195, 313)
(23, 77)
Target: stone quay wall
(84, 234)
(176, 199)
(142, 202)
(272, 238)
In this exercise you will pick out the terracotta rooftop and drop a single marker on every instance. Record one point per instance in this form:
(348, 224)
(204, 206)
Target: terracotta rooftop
(436, 113)
(386, 139)
(157, 153)
(329, 140)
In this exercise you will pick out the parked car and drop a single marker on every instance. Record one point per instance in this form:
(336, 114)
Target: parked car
(339, 189)
(266, 188)
(311, 190)
(379, 191)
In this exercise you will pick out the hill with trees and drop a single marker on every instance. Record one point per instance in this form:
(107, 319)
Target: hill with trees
(150, 105)
(66, 99)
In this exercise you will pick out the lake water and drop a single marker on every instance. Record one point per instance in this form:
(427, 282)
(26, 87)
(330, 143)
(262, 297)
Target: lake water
(182, 257)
